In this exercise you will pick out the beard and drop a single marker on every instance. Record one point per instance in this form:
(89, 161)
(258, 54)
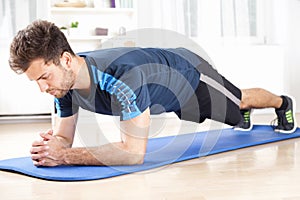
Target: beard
(66, 83)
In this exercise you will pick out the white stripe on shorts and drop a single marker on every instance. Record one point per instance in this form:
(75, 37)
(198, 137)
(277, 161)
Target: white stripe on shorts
(211, 82)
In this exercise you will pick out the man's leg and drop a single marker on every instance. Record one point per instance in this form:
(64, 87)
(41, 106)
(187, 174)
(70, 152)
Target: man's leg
(261, 98)
(250, 98)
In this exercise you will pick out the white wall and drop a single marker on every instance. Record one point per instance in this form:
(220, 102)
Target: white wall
(17, 94)
(292, 68)
(285, 31)
(251, 66)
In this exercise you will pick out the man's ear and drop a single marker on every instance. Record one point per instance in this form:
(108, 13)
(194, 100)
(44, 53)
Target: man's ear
(66, 59)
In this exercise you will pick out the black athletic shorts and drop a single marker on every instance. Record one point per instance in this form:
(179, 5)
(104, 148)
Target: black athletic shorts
(215, 98)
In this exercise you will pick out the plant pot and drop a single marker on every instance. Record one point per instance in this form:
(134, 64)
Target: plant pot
(74, 32)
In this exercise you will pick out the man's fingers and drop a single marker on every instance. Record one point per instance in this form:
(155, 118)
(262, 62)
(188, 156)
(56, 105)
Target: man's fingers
(36, 162)
(39, 156)
(38, 149)
(45, 162)
(46, 136)
(40, 142)
(50, 132)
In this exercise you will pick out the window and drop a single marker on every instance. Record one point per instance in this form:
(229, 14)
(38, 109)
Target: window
(225, 20)
(248, 21)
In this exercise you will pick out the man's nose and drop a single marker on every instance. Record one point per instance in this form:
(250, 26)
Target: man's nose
(43, 85)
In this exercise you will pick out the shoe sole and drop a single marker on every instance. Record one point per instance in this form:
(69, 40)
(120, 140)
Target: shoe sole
(294, 117)
(244, 129)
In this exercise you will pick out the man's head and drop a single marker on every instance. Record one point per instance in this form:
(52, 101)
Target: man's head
(42, 51)
(41, 39)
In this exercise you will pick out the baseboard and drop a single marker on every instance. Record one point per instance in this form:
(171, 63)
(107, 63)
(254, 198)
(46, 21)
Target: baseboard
(25, 118)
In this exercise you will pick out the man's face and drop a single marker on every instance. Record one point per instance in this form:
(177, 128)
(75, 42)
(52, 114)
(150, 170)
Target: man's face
(56, 80)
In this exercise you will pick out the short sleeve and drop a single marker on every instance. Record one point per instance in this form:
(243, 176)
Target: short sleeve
(65, 107)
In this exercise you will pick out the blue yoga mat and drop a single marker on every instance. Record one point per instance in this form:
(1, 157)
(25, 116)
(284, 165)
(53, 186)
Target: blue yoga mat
(160, 152)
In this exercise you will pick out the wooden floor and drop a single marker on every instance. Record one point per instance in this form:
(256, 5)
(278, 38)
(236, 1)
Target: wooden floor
(269, 172)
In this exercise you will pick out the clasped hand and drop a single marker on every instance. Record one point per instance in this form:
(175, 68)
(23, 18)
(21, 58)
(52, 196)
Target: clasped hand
(48, 150)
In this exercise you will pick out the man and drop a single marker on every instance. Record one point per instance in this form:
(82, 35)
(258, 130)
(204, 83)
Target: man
(131, 83)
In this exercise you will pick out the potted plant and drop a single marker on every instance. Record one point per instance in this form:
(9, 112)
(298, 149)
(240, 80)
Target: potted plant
(74, 24)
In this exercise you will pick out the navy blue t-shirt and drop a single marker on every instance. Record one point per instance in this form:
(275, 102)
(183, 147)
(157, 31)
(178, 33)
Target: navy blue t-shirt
(126, 81)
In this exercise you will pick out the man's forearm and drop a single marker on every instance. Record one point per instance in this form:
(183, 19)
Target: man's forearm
(129, 151)
(108, 154)
(67, 143)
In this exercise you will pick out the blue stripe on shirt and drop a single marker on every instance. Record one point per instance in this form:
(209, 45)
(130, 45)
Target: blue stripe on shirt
(125, 95)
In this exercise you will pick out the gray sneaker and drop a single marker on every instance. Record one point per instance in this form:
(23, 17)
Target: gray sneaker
(286, 118)
(245, 123)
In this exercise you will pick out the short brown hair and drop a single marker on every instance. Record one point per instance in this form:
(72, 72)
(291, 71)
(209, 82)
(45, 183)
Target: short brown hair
(41, 39)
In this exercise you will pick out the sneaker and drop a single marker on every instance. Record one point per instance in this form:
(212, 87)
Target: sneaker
(286, 118)
(245, 123)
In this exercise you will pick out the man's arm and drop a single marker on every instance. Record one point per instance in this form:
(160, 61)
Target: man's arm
(129, 151)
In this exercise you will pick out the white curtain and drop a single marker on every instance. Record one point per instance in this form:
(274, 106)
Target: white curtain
(175, 15)
(16, 91)
(238, 18)
(6, 19)
(201, 18)
(15, 15)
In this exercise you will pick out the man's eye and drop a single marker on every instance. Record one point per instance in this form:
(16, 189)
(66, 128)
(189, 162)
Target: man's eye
(45, 77)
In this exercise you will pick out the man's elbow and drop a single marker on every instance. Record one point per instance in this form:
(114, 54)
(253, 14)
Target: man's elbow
(136, 159)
